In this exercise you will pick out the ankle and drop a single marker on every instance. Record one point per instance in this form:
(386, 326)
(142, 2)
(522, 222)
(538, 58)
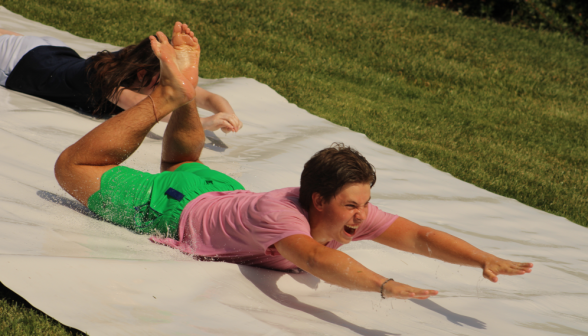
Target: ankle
(166, 101)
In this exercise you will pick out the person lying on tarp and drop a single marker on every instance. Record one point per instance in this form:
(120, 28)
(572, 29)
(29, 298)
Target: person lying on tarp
(104, 84)
(208, 214)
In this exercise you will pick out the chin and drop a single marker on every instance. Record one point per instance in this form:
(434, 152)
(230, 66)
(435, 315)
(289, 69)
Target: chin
(345, 240)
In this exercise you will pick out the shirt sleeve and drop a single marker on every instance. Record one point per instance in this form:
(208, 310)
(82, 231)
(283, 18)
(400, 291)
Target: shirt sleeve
(279, 225)
(375, 224)
(275, 216)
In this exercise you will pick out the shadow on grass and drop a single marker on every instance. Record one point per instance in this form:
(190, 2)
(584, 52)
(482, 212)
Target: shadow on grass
(14, 299)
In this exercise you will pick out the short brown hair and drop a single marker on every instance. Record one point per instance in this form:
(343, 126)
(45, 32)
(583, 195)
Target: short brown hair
(330, 169)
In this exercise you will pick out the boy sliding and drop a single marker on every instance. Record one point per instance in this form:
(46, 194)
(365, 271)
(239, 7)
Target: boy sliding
(208, 214)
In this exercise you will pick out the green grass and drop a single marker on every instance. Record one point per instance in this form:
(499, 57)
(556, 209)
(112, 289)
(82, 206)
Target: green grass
(19, 318)
(500, 107)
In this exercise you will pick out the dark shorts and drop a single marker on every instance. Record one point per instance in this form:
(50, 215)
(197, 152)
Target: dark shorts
(152, 203)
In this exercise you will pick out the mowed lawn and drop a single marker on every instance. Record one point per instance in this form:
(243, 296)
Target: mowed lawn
(500, 107)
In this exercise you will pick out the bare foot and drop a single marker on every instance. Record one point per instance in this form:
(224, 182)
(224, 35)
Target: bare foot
(187, 51)
(178, 87)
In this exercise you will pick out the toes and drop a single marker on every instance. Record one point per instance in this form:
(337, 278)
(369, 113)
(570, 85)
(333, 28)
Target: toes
(186, 30)
(162, 38)
(155, 46)
(177, 28)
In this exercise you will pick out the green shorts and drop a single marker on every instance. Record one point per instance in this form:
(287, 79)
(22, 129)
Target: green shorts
(152, 203)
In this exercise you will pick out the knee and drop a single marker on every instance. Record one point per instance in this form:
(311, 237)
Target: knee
(62, 168)
(80, 181)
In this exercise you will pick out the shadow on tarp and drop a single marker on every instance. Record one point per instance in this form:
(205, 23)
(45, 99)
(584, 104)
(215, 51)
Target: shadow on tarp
(267, 282)
(66, 202)
(14, 299)
(452, 317)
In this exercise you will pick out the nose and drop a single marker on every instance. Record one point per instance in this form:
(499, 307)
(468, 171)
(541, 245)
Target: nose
(360, 215)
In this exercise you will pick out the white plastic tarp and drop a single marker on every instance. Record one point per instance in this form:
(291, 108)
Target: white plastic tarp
(105, 280)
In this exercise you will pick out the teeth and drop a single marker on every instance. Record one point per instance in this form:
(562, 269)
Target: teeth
(352, 226)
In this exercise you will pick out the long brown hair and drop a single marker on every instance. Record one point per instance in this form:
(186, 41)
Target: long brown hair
(108, 71)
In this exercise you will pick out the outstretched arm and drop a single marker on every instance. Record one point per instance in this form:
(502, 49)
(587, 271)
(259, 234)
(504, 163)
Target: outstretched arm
(338, 268)
(411, 237)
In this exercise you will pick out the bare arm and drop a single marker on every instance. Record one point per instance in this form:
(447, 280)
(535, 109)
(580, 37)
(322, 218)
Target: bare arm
(411, 237)
(224, 118)
(338, 268)
(128, 98)
(212, 102)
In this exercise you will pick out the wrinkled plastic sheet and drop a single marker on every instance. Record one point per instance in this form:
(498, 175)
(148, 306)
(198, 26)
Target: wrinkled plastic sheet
(105, 280)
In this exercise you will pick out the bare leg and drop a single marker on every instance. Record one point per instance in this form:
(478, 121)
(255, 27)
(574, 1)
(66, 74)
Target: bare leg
(183, 139)
(8, 32)
(80, 167)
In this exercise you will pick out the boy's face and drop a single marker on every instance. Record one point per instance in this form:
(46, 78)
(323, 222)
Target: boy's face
(344, 213)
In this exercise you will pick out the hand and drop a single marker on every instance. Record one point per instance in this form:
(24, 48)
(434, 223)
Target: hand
(496, 266)
(399, 290)
(227, 122)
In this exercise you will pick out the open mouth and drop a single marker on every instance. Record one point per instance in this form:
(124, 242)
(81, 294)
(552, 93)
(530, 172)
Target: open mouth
(350, 229)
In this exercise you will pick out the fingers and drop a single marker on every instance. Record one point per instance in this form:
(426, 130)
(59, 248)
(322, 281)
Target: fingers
(235, 122)
(488, 274)
(231, 122)
(527, 267)
(505, 267)
(224, 124)
(401, 291)
(519, 269)
(415, 293)
(420, 294)
(227, 122)
(227, 127)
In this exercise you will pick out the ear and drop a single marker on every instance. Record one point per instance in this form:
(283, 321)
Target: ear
(141, 74)
(318, 201)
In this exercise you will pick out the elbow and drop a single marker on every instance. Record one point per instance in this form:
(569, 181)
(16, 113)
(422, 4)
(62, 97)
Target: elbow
(426, 233)
(424, 240)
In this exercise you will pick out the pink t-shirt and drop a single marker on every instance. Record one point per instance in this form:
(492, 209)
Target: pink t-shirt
(242, 226)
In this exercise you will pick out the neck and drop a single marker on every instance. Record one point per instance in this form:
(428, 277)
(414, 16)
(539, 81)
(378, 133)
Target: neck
(315, 218)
